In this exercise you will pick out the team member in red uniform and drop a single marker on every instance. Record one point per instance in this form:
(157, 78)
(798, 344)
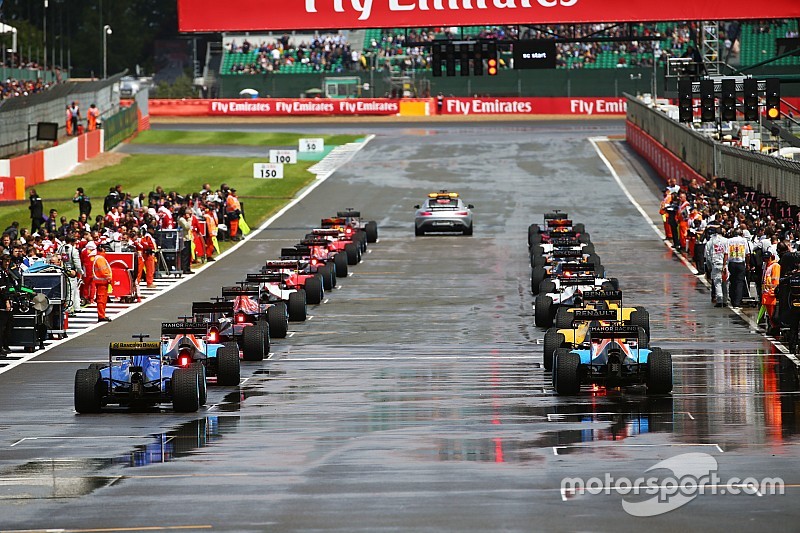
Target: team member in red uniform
(101, 272)
(149, 247)
(211, 232)
(233, 210)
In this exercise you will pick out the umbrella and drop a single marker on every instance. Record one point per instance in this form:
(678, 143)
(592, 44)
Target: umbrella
(313, 92)
(252, 93)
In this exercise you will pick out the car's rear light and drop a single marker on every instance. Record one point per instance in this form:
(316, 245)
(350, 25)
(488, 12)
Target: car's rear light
(314, 262)
(348, 231)
(240, 318)
(425, 214)
(462, 213)
(213, 335)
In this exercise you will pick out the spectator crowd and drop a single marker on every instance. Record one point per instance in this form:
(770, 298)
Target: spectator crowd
(11, 88)
(127, 223)
(329, 53)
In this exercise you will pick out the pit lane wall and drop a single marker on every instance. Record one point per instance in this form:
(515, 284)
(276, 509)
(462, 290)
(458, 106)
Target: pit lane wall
(675, 150)
(275, 107)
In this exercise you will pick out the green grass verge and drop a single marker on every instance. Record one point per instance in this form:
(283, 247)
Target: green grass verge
(184, 174)
(233, 138)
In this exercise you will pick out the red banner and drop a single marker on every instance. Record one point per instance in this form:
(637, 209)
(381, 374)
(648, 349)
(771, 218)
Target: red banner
(273, 107)
(259, 15)
(534, 106)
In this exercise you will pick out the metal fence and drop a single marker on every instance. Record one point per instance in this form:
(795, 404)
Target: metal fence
(50, 106)
(776, 176)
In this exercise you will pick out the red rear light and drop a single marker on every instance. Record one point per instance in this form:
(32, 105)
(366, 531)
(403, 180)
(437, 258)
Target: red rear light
(314, 262)
(348, 231)
(213, 336)
(425, 214)
(240, 318)
(462, 213)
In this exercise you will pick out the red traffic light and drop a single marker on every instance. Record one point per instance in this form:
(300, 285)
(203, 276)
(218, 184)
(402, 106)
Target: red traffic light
(492, 67)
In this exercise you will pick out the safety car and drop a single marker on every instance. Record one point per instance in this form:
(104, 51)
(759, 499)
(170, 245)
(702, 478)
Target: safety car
(443, 211)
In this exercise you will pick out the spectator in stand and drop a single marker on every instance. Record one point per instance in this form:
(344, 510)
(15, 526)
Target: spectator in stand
(37, 211)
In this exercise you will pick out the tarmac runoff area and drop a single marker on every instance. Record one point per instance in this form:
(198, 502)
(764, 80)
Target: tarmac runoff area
(415, 398)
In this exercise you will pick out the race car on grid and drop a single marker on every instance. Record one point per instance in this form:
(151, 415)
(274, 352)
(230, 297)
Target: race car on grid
(542, 253)
(250, 305)
(353, 219)
(556, 225)
(314, 256)
(348, 233)
(341, 240)
(443, 211)
(297, 275)
(272, 290)
(566, 289)
(604, 306)
(197, 345)
(137, 375)
(561, 261)
(253, 340)
(611, 356)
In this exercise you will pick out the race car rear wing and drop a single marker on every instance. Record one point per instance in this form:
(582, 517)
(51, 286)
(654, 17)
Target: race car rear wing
(567, 253)
(558, 222)
(187, 328)
(577, 267)
(297, 251)
(325, 231)
(348, 214)
(554, 215)
(614, 332)
(212, 308)
(239, 290)
(614, 296)
(564, 241)
(130, 349)
(312, 242)
(564, 235)
(333, 221)
(576, 280)
(582, 315)
(283, 264)
(266, 277)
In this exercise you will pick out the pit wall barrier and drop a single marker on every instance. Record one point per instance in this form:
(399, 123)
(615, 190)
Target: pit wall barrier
(52, 163)
(267, 107)
(664, 162)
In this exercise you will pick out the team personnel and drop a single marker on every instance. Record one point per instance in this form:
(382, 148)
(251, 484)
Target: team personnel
(717, 261)
(146, 244)
(738, 259)
(71, 261)
(772, 276)
(6, 310)
(101, 274)
(185, 223)
(233, 210)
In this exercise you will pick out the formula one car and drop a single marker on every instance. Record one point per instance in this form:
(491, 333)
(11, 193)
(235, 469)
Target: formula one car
(137, 375)
(195, 344)
(542, 253)
(443, 211)
(314, 256)
(353, 219)
(556, 225)
(251, 305)
(562, 261)
(297, 275)
(565, 290)
(611, 357)
(272, 290)
(341, 240)
(234, 329)
(600, 308)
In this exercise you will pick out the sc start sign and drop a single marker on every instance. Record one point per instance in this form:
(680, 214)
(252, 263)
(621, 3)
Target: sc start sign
(273, 171)
(286, 157)
(312, 145)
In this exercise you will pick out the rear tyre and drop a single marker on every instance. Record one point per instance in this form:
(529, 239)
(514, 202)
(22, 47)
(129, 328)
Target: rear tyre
(278, 321)
(537, 276)
(468, 231)
(588, 249)
(547, 286)
(542, 311)
(584, 238)
(565, 372)
(553, 340)
(252, 343)
(371, 229)
(314, 291)
(185, 390)
(641, 318)
(418, 232)
(351, 250)
(228, 367)
(563, 318)
(600, 271)
(533, 229)
(659, 372)
(607, 286)
(200, 368)
(340, 264)
(579, 228)
(614, 283)
(327, 277)
(88, 390)
(297, 306)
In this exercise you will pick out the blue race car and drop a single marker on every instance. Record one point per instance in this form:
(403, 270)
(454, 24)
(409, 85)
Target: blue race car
(611, 356)
(197, 345)
(136, 375)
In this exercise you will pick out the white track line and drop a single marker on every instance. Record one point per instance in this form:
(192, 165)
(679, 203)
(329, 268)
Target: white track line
(594, 140)
(327, 173)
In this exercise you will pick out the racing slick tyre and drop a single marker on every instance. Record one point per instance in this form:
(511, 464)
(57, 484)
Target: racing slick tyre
(253, 343)
(565, 372)
(606, 286)
(543, 309)
(599, 271)
(278, 321)
(328, 279)
(579, 228)
(538, 260)
(563, 318)
(547, 286)
(594, 259)
(468, 231)
(614, 283)
(537, 277)
(536, 238)
(640, 317)
(228, 368)
(585, 238)
(371, 229)
(642, 338)
(314, 290)
(231, 344)
(533, 229)
(88, 390)
(201, 376)
(659, 372)
(351, 249)
(340, 265)
(588, 249)
(297, 306)
(185, 390)
(553, 340)
(362, 238)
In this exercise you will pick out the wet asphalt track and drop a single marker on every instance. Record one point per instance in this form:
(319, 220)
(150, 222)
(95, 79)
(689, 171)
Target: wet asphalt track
(414, 398)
